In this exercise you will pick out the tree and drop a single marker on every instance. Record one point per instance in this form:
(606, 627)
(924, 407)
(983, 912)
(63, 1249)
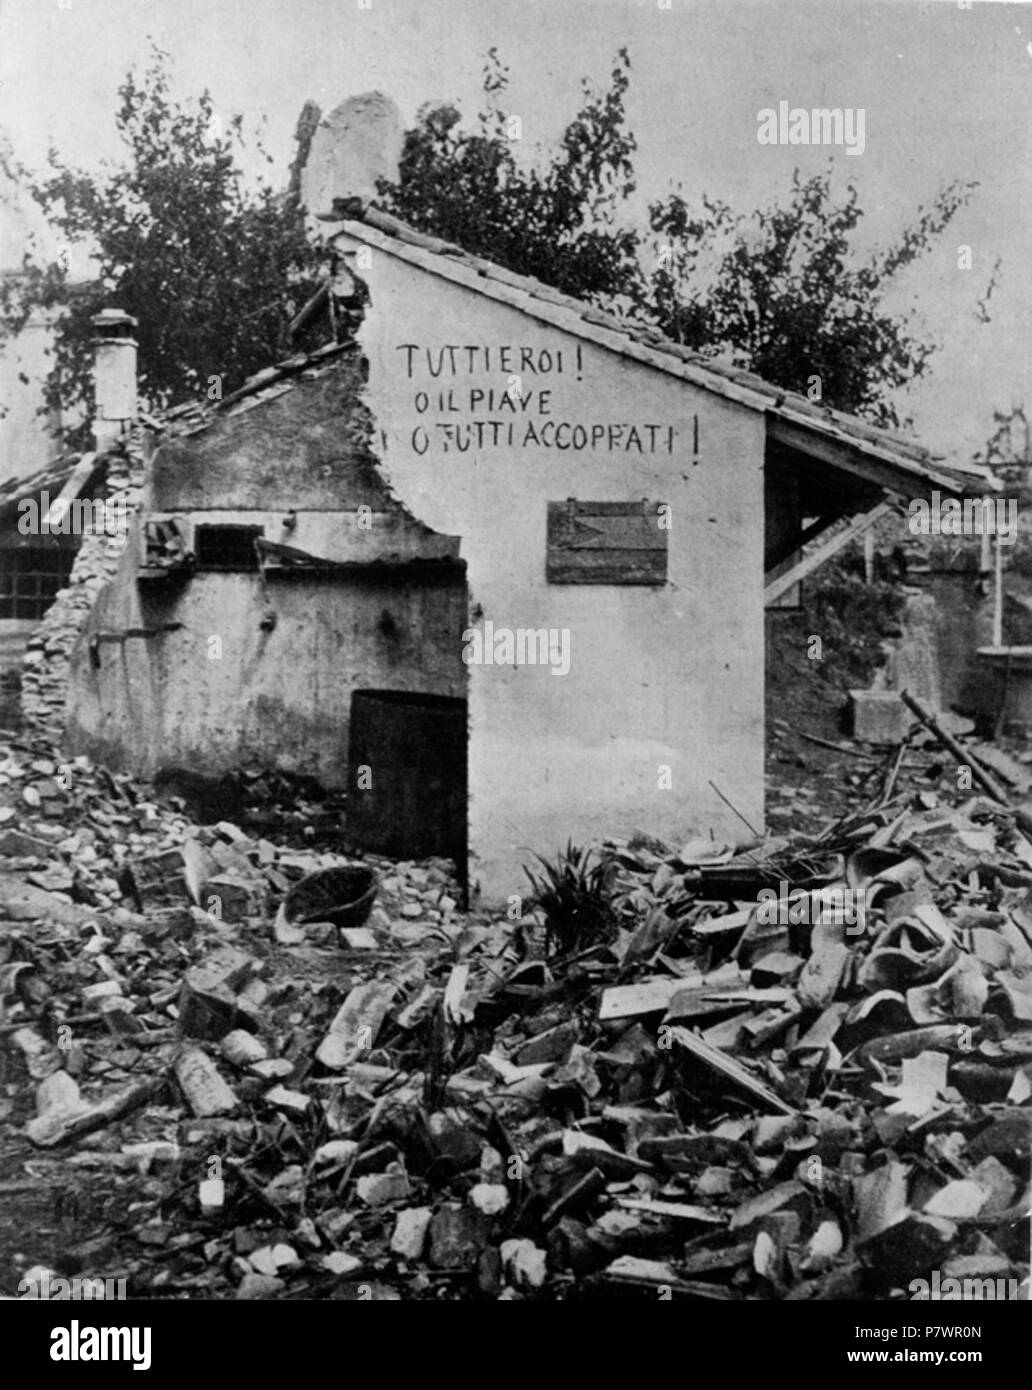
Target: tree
(212, 269)
(782, 291)
(557, 222)
(790, 297)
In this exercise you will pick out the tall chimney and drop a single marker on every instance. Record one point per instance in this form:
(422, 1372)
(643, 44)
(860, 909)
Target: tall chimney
(114, 376)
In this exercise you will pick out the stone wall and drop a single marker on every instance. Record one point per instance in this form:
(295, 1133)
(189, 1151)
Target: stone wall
(45, 668)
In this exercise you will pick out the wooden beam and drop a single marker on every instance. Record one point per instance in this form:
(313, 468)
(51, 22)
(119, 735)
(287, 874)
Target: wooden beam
(802, 539)
(309, 311)
(905, 478)
(811, 532)
(775, 584)
(815, 528)
(77, 480)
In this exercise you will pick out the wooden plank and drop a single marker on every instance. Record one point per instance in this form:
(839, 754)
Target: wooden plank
(728, 1068)
(806, 564)
(605, 543)
(721, 926)
(652, 1274)
(58, 1126)
(682, 1211)
(77, 480)
(615, 567)
(631, 1001)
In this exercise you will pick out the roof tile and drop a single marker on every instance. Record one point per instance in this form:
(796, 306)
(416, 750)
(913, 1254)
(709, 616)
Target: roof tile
(514, 288)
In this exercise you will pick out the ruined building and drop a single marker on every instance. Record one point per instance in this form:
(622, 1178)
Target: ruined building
(496, 563)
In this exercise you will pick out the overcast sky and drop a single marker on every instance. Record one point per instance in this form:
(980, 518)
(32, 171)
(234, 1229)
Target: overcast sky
(947, 94)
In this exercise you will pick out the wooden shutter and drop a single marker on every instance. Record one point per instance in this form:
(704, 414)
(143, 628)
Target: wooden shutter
(606, 542)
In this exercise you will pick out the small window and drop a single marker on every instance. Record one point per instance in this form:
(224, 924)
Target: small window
(30, 577)
(226, 547)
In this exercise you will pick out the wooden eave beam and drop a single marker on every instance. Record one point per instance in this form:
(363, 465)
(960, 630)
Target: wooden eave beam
(894, 478)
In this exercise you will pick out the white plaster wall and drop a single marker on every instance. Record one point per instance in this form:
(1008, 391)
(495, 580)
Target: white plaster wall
(278, 696)
(670, 676)
(26, 447)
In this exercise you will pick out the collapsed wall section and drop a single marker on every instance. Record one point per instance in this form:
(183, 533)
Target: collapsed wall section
(45, 673)
(302, 581)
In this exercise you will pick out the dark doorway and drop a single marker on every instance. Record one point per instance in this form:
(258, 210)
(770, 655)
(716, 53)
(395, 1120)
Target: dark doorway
(407, 777)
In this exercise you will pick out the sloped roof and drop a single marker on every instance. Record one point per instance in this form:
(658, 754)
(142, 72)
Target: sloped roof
(51, 479)
(903, 462)
(898, 462)
(193, 416)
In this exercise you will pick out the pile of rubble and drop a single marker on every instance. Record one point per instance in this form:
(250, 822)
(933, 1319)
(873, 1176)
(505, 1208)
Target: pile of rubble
(800, 1071)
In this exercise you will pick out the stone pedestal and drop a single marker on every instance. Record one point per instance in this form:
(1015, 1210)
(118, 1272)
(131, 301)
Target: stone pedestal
(1008, 675)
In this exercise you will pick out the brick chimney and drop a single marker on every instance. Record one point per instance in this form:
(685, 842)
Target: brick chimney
(114, 376)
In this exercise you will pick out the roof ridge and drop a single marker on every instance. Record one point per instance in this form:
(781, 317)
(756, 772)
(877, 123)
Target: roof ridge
(705, 371)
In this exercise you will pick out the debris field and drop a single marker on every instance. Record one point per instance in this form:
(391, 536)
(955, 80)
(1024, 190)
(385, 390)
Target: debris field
(794, 1069)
